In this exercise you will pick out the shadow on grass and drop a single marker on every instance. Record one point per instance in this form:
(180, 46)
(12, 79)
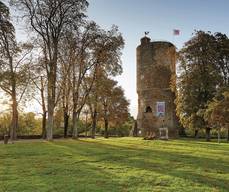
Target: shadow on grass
(189, 167)
(52, 167)
(100, 165)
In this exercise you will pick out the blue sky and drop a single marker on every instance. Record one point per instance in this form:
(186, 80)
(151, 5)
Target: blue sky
(159, 17)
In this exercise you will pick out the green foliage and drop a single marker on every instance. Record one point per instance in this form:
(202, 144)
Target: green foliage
(7, 35)
(59, 124)
(5, 121)
(114, 165)
(204, 70)
(4, 11)
(29, 124)
(121, 131)
(112, 100)
(125, 127)
(217, 112)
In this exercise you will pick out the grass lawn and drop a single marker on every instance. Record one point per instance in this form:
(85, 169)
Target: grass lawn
(116, 164)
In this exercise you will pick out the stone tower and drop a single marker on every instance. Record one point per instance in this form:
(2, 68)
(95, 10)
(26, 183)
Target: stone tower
(156, 68)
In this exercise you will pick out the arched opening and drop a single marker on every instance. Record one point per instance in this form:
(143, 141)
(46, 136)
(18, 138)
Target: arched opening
(148, 109)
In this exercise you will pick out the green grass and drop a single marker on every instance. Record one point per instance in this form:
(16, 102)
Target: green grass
(116, 164)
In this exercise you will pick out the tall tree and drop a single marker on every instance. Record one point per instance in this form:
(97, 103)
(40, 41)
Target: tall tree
(222, 58)
(14, 71)
(83, 67)
(217, 113)
(198, 80)
(49, 19)
(107, 52)
(67, 59)
(114, 106)
(40, 83)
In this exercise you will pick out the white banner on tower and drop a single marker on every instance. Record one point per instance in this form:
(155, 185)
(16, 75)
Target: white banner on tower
(160, 109)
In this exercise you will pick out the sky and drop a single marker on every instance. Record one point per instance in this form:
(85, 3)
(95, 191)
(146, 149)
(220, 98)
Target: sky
(159, 17)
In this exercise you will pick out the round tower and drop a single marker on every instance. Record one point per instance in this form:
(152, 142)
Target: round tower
(156, 70)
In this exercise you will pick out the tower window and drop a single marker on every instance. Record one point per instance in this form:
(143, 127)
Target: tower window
(148, 109)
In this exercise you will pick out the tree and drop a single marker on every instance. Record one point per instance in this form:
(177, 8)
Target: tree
(66, 59)
(40, 84)
(107, 52)
(222, 58)
(198, 80)
(217, 113)
(49, 19)
(114, 106)
(5, 121)
(14, 73)
(29, 124)
(83, 66)
(91, 49)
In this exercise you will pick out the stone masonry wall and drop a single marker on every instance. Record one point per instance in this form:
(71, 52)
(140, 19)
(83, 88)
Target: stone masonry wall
(155, 68)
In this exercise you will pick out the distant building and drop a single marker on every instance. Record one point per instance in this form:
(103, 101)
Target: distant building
(156, 68)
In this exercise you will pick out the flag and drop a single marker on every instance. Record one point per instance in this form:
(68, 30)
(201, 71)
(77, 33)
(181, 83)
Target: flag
(176, 32)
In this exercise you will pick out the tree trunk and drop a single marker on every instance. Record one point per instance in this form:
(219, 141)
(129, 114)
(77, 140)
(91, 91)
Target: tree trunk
(94, 114)
(106, 128)
(74, 124)
(50, 123)
(66, 118)
(94, 121)
(182, 131)
(44, 124)
(208, 134)
(44, 115)
(196, 134)
(51, 74)
(14, 121)
(218, 135)
(86, 126)
(51, 106)
(135, 129)
(227, 132)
